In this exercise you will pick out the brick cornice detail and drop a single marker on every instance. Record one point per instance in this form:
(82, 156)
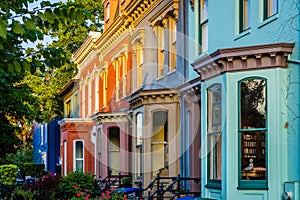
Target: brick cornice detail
(146, 97)
(78, 126)
(243, 59)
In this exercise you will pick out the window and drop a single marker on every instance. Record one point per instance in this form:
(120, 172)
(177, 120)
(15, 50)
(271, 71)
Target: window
(76, 104)
(244, 15)
(89, 96)
(104, 87)
(159, 141)
(203, 26)
(107, 11)
(83, 100)
(172, 44)
(214, 131)
(68, 109)
(139, 65)
(139, 143)
(96, 92)
(270, 8)
(253, 132)
(160, 51)
(114, 150)
(78, 154)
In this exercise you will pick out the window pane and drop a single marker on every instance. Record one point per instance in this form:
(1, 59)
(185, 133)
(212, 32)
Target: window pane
(271, 8)
(246, 14)
(214, 109)
(215, 156)
(139, 129)
(253, 104)
(204, 10)
(204, 42)
(79, 165)
(79, 150)
(253, 162)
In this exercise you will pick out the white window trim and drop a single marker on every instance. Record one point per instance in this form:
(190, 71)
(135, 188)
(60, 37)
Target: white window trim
(74, 158)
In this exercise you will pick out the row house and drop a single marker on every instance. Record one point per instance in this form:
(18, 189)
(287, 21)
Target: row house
(122, 109)
(46, 145)
(244, 73)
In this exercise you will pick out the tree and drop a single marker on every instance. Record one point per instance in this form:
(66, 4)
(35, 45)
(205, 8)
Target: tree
(19, 24)
(69, 37)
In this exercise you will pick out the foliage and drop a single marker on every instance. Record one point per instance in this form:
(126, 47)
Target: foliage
(70, 35)
(77, 183)
(22, 28)
(8, 174)
(22, 193)
(34, 170)
(47, 187)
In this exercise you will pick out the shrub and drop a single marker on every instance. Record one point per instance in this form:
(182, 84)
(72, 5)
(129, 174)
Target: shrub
(8, 174)
(47, 187)
(34, 170)
(77, 184)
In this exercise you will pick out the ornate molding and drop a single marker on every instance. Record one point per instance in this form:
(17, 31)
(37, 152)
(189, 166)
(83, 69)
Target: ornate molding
(243, 59)
(100, 117)
(146, 97)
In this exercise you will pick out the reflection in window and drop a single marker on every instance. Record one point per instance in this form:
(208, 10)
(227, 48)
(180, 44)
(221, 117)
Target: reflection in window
(78, 156)
(253, 129)
(214, 131)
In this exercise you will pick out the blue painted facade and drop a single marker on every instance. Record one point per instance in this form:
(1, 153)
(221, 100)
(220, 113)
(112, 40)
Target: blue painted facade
(46, 144)
(267, 49)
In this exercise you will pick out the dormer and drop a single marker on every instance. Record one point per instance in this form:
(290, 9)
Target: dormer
(111, 11)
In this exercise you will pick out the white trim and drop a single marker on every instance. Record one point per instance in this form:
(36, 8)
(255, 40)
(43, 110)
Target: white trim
(74, 158)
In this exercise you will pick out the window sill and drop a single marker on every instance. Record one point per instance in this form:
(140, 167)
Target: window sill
(268, 20)
(171, 72)
(251, 188)
(213, 186)
(242, 34)
(253, 185)
(159, 78)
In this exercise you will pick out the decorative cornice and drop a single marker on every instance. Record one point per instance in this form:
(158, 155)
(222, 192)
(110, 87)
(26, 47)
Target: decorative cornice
(146, 97)
(105, 117)
(86, 47)
(75, 124)
(243, 59)
(68, 87)
(171, 9)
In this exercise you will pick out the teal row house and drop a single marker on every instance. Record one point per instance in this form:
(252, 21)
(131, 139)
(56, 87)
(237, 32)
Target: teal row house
(240, 106)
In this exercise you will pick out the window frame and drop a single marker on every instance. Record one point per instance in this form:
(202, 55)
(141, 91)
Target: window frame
(266, 10)
(252, 184)
(78, 159)
(203, 23)
(214, 183)
(160, 51)
(242, 16)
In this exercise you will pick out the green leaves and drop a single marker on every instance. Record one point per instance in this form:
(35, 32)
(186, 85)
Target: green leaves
(17, 27)
(3, 30)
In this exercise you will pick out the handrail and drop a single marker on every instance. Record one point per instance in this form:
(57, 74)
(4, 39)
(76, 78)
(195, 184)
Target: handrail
(107, 182)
